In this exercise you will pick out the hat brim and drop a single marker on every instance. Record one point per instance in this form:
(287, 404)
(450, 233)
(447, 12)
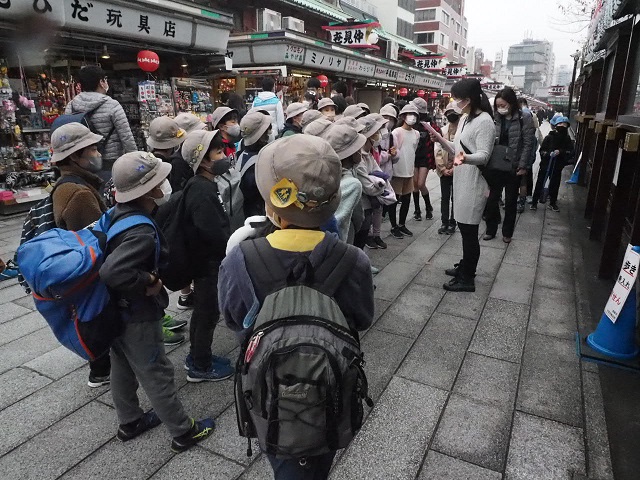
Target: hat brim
(206, 143)
(170, 143)
(356, 146)
(163, 172)
(296, 112)
(376, 127)
(196, 127)
(92, 139)
(255, 136)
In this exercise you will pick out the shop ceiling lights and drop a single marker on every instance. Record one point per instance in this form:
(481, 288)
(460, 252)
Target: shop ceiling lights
(105, 53)
(184, 63)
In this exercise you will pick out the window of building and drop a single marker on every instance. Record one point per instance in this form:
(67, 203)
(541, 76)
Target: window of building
(456, 46)
(458, 28)
(404, 29)
(464, 33)
(463, 52)
(443, 40)
(445, 18)
(425, 38)
(409, 5)
(425, 15)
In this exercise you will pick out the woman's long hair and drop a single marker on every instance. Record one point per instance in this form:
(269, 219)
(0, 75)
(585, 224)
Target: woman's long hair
(470, 88)
(508, 95)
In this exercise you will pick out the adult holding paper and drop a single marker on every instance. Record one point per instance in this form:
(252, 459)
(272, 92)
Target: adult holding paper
(444, 169)
(473, 144)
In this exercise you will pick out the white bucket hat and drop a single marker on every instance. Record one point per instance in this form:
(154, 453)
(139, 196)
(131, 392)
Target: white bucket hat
(70, 138)
(190, 122)
(136, 174)
(295, 109)
(196, 146)
(164, 132)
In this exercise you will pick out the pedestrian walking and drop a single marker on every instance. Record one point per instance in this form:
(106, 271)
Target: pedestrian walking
(444, 169)
(206, 226)
(130, 272)
(301, 444)
(269, 101)
(425, 161)
(106, 116)
(515, 134)
(256, 129)
(526, 188)
(473, 145)
(556, 152)
(405, 139)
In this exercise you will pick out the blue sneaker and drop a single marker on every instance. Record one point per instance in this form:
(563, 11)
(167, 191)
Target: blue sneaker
(188, 362)
(8, 270)
(199, 431)
(216, 372)
(131, 430)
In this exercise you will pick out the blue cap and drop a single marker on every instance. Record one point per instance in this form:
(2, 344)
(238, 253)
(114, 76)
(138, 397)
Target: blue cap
(557, 120)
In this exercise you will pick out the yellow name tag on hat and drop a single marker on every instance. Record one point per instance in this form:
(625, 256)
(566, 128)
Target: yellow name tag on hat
(284, 193)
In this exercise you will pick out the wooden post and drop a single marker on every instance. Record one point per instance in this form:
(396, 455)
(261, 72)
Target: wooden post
(608, 166)
(596, 167)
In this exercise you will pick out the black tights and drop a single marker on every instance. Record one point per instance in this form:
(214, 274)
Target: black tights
(470, 249)
(404, 201)
(427, 202)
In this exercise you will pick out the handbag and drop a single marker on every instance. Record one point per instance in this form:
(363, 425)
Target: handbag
(499, 159)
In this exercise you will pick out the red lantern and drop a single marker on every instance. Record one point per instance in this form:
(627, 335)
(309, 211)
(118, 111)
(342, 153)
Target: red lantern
(324, 81)
(420, 93)
(403, 92)
(433, 95)
(148, 60)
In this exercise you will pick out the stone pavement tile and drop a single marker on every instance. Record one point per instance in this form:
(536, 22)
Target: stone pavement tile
(553, 312)
(226, 441)
(57, 363)
(11, 310)
(543, 449)
(501, 331)
(436, 356)
(496, 243)
(530, 231)
(260, 470)
(522, 252)
(18, 383)
(382, 257)
(550, 380)
(198, 463)
(135, 460)
(599, 456)
(74, 437)
(556, 273)
(442, 467)
(383, 352)
(26, 348)
(514, 283)
(393, 279)
(11, 293)
(488, 380)
(474, 432)
(409, 313)
(21, 326)
(381, 306)
(555, 230)
(26, 302)
(38, 411)
(555, 247)
(207, 399)
(466, 304)
(393, 441)
(422, 249)
(10, 282)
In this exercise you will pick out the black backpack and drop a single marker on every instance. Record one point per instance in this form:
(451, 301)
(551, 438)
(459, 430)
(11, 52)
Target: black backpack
(85, 119)
(300, 381)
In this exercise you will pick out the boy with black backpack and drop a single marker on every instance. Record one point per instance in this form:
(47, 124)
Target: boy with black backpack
(297, 299)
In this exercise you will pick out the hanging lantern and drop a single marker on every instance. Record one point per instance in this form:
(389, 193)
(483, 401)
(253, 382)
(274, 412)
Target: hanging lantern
(420, 93)
(403, 92)
(433, 95)
(324, 81)
(148, 60)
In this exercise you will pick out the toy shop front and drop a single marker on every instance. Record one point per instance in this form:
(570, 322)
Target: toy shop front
(157, 63)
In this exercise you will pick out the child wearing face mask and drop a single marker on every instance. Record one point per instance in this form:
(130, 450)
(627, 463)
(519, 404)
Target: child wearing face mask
(256, 128)
(165, 138)
(225, 120)
(207, 230)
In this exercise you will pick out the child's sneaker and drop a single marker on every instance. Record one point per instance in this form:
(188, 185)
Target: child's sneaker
(396, 233)
(380, 243)
(95, 382)
(371, 243)
(405, 231)
(534, 206)
(170, 339)
(417, 216)
(215, 373)
(443, 229)
(554, 207)
(185, 302)
(200, 430)
(171, 323)
(8, 270)
(188, 361)
(129, 431)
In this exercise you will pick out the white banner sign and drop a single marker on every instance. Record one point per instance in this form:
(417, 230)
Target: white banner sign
(386, 73)
(431, 63)
(360, 68)
(349, 37)
(324, 60)
(624, 284)
(456, 71)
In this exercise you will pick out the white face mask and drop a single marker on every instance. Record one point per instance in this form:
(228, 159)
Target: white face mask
(410, 119)
(390, 124)
(166, 193)
(503, 111)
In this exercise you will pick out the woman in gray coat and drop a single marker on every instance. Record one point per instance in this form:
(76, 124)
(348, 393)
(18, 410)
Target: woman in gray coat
(473, 145)
(516, 131)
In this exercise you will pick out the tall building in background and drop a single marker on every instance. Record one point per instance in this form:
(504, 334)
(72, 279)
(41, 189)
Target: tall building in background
(396, 16)
(440, 26)
(498, 63)
(471, 60)
(563, 75)
(532, 64)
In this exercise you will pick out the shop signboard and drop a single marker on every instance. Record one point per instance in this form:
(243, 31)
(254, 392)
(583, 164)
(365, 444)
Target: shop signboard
(356, 67)
(431, 63)
(211, 38)
(386, 73)
(241, 55)
(264, 53)
(430, 82)
(353, 35)
(408, 78)
(455, 71)
(52, 10)
(294, 54)
(558, 90)
(324, 60)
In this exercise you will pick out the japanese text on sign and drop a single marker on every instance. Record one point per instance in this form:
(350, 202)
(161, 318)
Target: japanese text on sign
(294, 53)
(355, 37)
(386, 73)
(360, 68)
(456, 71)
(324, 60)
(431, 63)
(624, 283)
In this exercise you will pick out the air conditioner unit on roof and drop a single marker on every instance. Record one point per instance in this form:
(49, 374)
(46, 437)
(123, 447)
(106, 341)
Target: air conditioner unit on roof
(268, 20)
(292, 23)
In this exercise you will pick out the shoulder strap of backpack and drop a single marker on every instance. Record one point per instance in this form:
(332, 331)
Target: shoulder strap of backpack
(250, 163)
(263, 266)
(129, 222)
(336, 266)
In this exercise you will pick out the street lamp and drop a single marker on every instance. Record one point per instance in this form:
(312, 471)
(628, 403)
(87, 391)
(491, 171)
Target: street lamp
(576, 57)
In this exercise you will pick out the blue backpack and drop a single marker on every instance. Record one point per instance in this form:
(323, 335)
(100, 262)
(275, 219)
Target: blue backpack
(62, 270)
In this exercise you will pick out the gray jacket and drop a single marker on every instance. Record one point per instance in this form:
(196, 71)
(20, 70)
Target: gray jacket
(106, 116)
(521, 144)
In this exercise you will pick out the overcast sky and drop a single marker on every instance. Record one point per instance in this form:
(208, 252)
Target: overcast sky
(497, 24)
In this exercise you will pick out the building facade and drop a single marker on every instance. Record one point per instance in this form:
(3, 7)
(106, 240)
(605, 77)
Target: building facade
(440, 26)
(395, 16)
(532, 63)
(563, 75)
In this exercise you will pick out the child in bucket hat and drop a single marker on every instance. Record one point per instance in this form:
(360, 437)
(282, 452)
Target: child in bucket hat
(129, 271)
(299, 179)
(256, 130)
(165, 138)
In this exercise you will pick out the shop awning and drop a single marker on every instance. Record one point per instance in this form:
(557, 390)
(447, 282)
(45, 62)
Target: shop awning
(320, 7)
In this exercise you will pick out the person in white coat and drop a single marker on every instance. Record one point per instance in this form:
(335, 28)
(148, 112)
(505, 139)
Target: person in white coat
(268, 101)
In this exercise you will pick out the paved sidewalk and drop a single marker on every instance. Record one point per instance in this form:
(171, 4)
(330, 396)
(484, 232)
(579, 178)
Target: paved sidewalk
(467, 386)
